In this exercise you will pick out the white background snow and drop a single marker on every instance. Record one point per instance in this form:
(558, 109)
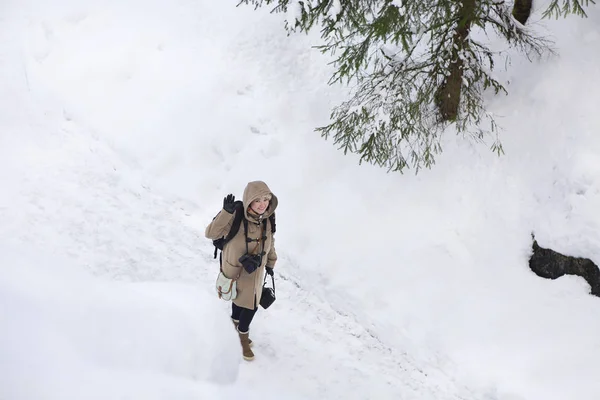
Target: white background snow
(123, 124)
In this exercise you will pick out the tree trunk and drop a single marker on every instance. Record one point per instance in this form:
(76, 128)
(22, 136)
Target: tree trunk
(448, 94)
(522, 10)
(547, 263)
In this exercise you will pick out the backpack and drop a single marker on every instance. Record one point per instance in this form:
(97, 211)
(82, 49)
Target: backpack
(235, 226)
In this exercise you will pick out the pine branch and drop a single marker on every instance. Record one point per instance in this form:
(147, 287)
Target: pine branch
(568, 7)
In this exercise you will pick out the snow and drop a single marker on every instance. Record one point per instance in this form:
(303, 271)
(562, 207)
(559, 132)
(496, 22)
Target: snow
(68, 335)
(124, 124)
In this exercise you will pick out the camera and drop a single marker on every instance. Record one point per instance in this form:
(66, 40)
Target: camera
(250, 262)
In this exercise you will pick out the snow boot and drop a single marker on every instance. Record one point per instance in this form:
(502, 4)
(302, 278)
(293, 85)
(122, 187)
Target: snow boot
(236, 323)
(246, 350)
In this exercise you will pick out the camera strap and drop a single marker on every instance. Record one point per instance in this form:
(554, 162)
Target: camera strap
(272, 281)
(260, 245)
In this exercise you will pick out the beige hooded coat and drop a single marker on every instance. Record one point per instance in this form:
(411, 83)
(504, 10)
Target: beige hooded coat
(249, 286)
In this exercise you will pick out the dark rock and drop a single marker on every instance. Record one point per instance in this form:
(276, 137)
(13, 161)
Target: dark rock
(550, 264)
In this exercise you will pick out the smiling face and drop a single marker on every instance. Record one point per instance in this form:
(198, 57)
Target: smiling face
(261, 204)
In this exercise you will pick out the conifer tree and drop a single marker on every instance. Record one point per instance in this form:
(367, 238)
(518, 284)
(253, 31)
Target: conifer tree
(415, 67)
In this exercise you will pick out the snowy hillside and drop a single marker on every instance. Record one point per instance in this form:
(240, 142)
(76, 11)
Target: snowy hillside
(124, 124)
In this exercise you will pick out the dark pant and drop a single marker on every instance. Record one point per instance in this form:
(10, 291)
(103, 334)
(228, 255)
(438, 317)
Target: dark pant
(244, 315)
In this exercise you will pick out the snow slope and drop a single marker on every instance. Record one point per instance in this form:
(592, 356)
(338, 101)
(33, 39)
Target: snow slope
(125, 123)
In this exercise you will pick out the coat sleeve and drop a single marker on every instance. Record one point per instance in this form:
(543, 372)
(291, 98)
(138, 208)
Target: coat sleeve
(272, 255)
(219, 226)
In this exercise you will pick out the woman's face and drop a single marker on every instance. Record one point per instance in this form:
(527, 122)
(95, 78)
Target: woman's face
(261, 204)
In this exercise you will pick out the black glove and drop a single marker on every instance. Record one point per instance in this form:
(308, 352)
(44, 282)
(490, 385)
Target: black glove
(228, 203)
(269, 270)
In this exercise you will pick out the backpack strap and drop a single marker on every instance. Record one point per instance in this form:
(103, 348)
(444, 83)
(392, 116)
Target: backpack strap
(237, 219)
(246, 234)
(272, 220)
(235, 227)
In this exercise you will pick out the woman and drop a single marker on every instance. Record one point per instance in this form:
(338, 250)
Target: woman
(248, 255)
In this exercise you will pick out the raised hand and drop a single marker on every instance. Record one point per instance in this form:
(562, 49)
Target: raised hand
(228, 203)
